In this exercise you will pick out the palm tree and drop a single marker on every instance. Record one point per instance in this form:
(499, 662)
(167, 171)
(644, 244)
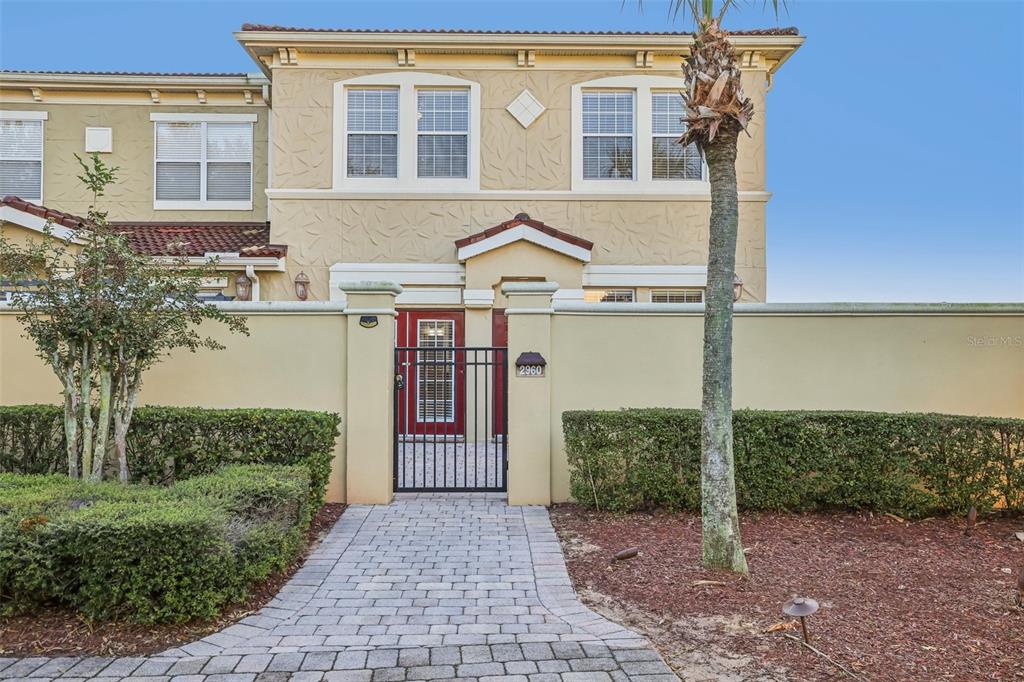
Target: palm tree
(716, 113)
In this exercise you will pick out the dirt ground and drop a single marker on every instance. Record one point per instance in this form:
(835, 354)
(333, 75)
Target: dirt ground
(899, 600)
(56, 631)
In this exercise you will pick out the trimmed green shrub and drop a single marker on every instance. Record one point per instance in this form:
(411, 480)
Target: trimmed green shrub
(912, 465)
(168, 444)
(148, 553)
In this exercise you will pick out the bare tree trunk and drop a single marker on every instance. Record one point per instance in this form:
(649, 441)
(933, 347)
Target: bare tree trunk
(85, 407)
(122, 420)
(100, 447)
(70, 417)
(720, 525)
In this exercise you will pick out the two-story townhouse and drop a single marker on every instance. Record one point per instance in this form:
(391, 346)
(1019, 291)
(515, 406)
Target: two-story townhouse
(445, 161)
(191, 152)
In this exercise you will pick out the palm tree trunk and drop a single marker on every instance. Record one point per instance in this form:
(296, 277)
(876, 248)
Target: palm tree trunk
(720, 524)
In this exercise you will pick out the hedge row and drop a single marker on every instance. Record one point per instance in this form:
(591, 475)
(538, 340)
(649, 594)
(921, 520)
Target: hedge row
(912, 465)
(168, 444)
(147, 553)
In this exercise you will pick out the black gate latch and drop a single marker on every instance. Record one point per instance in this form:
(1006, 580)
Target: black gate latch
(399, 382)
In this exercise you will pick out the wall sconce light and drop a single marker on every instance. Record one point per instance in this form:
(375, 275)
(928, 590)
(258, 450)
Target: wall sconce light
(737, 288)
(243, 287)
(302, 286)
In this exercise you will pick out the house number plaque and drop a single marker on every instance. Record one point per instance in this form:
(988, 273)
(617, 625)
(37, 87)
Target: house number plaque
(530, 364)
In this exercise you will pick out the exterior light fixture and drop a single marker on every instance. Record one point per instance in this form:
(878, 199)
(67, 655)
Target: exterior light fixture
(302, 286)
(801, 607)
(243, 287)
(737, 288)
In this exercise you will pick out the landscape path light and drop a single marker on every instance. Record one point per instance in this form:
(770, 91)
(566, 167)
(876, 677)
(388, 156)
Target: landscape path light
(801, 607)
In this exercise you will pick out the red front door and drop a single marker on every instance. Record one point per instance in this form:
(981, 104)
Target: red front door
(432, 372)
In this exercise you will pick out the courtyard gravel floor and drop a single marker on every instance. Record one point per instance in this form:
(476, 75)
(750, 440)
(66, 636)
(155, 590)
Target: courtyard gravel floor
(431, 587)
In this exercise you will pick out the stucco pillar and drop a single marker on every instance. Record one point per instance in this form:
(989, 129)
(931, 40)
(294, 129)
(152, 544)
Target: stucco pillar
(529, 398)
(369, 418)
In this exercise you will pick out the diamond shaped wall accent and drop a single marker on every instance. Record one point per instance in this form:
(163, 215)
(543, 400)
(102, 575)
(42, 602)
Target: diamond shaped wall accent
(525, 108)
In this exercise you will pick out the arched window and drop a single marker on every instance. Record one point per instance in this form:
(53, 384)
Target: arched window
(406, 131)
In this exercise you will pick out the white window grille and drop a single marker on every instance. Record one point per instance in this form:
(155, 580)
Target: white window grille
(21, 158)
(372, 132)
(669, 160)
(442, 142)
(435, 380)
(677, 296)
(608, 135)
(609, 295)
(203, 162)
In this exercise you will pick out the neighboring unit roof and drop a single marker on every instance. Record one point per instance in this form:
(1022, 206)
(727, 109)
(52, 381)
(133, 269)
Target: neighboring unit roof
(199, 239)
(56, 217)
(269, 28)
(181, 74)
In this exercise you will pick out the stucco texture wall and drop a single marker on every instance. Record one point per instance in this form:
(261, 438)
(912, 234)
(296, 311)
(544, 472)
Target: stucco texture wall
(322, 232)
(956, 364)
(131, 197)
(287, 361)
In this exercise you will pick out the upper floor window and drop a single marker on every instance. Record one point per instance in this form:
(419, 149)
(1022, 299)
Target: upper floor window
(373, 133)
(442, 142)
(21, 154)
(608, 135)
(669, 160)
(407, 130)
(624, 132)
(203, 161)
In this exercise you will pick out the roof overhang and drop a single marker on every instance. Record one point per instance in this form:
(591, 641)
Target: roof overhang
(10, 214)
(227, 261)
(263, 45)
(528, 234)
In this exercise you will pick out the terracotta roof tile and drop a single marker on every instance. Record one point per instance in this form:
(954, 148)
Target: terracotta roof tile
(787, 31)
(524, 219)
(57, 217)
(199, 239)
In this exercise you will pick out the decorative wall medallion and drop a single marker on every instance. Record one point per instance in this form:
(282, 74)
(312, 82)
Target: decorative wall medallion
(525, 108)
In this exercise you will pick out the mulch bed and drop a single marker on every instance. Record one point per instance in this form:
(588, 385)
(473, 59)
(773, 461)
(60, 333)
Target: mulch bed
(57, 631)
(899, 600)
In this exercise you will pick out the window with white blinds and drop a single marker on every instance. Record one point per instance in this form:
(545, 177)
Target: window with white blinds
(435, 382)
(442, 140)
(372, 133)
(609, 295)
(669, 160)
(203, 162)
(608, 135)
(677, 296)
(21, 158)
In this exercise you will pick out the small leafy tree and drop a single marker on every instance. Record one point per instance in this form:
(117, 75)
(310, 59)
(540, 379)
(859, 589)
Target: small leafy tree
(100, 315)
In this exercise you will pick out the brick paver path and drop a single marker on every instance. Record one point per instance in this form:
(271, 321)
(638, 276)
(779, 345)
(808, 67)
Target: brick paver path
(431, 587)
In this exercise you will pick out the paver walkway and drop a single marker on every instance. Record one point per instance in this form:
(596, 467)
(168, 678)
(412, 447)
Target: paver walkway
(431, 587)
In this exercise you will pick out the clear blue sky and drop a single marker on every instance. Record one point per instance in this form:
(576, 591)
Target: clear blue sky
(895, 143)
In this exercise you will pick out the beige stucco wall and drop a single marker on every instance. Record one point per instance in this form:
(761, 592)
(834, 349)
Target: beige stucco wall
(288, 361)
(639, 230)
(131, 197)
(957, 364)
(321, 232)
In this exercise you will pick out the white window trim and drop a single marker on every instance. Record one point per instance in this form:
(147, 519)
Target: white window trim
(206, 204)
(8, 115)
(642, 181)
(407, 83)
(654, 276)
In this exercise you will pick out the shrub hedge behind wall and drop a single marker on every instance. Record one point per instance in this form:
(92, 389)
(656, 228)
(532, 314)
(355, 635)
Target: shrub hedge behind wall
(912, 465)
(168, 444)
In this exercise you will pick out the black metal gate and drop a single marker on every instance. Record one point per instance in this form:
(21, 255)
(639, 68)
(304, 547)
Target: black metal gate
(451, 419)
